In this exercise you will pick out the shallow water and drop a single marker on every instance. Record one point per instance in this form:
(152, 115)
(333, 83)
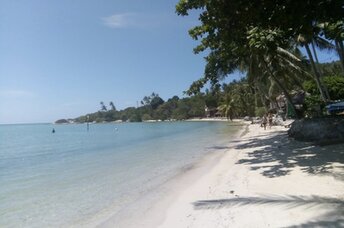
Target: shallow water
(60, 179)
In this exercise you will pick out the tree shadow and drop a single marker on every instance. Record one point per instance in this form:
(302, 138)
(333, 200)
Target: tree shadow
(332, 218)
(276, 155)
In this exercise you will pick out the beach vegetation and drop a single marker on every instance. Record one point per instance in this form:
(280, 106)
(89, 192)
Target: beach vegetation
(153, 107)
(260, 111)
(335, 85)
(264, 39)
(235, 99)
(146, 117)
(314, 105)
(153, 101)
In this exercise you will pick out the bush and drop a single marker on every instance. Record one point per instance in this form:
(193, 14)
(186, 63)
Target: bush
(334, 84)
(99, 120)
(260, 111)
(314, 106)
(146, 117)
(135, 118)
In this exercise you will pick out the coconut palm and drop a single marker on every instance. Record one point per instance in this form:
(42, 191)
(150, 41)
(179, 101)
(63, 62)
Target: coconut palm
(269, 61)
(227, 108)
(112, 106)
(102, 106)
(335, 31)
(317, 76)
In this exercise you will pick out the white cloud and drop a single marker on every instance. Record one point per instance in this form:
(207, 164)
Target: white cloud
(140, 20)
(119, 20)
(147, 21)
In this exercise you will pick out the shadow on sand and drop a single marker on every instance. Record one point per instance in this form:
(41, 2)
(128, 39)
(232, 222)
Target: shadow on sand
(276, 155)
(333, 218)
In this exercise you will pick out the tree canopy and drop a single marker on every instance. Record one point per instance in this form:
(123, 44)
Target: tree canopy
(262, 38)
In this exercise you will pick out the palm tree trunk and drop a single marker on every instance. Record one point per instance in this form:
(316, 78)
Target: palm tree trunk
(314, 52)
(340, 50)
(284, 90)
(320, 71)
(296, 81)
(262, 97)
(316, 74)
(341, 44)
(255, 96)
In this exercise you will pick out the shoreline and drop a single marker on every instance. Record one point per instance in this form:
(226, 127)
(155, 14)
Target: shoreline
(258, 174)
(156, 202)
(268, 178)
(205, 119)
(262, 175)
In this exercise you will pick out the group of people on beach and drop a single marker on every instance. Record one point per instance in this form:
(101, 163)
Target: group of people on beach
(267, 119)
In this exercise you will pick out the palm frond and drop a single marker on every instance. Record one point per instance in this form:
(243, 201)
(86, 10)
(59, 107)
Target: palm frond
(287, 54)
(323, 44)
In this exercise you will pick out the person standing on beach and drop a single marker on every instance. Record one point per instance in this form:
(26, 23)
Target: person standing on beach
(270, 119)
(264, 121)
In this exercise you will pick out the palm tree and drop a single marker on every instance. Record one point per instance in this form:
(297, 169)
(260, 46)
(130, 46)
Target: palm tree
(267, 58)
(227, 108)
(102, 106)
(111, 104)
(335, 31)
(317, 76)
(321, 44)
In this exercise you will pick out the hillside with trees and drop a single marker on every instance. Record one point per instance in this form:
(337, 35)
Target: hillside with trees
(153, 107)
(236, 99)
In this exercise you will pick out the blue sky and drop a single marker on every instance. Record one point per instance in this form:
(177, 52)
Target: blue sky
(59, 59)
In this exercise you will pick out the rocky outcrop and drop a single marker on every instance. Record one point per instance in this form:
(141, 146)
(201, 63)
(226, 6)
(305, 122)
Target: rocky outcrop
(326, 130)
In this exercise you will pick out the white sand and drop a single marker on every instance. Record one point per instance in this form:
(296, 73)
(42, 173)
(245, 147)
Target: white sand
(262, 180)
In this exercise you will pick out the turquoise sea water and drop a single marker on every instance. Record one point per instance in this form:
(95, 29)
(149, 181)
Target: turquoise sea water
(62, 179)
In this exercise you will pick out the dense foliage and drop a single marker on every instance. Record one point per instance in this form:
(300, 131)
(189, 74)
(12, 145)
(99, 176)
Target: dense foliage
(232, 100)
(335, 85)
(262, 38)
(153, 108)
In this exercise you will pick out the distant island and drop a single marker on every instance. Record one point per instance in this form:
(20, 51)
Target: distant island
(153, 107)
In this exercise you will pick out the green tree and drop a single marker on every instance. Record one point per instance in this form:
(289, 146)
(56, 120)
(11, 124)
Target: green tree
(238, 99)
(153, 101)
(317, 75)
(196, 105)
(335, 31)
(227, 108)
(334, 83)
(229, 29)
(181, 112)
(331, 69)
(146, 117)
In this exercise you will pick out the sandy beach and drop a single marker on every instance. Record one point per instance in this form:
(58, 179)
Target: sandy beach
(262, 179)
(266, 180)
